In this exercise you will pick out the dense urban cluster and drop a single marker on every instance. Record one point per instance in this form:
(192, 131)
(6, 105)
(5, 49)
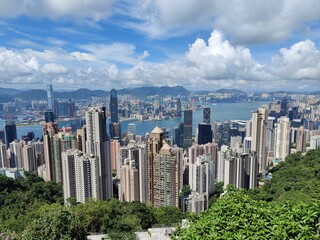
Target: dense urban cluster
(97, 160)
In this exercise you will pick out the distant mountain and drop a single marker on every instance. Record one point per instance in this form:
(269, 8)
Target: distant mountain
(235, 91)
(151, 91)
(83, 93)
(5, 98)
(35, 94)
(9, 91)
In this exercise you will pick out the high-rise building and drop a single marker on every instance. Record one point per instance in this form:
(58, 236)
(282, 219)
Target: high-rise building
(201, 177)
(259, 123)
(167, 178)
(115, 145)
(81, 176)
(131, 128)
(115, 127)
(3, 156)
(132, 161)
(97, 144)
(2, 136)
(153, 145)
(50, 97)
(206, 115)
(178, 107)
(204, 134)
(187, 128)
(11, 132)
(16, 156)
(301, 140)
(282, 138)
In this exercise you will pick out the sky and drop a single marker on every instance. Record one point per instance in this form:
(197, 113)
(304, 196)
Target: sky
(252, 45)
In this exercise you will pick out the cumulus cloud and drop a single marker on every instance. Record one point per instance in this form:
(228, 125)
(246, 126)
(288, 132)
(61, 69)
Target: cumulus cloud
(54, 69)
(208, 64)
(300, 61)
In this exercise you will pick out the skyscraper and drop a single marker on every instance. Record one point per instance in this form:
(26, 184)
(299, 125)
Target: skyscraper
(50, 97)
(167, 176)
(178, 107)
(282, 138)
(153, 146)
(81, 176)
(97, 144)
(187, 128)
(11, 132)
(49, 114)
(115, 127)
(206, 115)
(259, 123)
(204, 134)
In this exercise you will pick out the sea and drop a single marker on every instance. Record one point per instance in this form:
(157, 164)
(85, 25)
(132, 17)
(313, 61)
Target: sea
(219, 112)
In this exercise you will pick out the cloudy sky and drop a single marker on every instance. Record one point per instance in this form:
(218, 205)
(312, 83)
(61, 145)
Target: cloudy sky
(253, 45)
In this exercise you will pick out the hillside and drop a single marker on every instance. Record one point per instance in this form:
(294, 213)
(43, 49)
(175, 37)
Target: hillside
(287, 207)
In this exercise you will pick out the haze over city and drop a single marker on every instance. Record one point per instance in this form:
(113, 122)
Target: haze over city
(197, 44)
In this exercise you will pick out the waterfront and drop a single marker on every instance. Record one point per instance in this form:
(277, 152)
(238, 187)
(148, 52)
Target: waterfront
(220, 112)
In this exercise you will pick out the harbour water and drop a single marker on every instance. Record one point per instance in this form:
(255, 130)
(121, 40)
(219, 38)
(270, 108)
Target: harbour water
(220, 112)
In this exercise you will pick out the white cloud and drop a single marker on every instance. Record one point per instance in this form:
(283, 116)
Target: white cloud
(208, 64)
(300, 61)
(117, 52)
(83, 56)
(54, 69)
(81, 9)
(252, 21)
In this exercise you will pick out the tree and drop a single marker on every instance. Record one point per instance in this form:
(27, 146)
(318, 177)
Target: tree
(57, 223)
(236, 216)
(168, 215)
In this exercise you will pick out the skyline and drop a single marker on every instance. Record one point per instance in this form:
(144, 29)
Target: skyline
(199, 45)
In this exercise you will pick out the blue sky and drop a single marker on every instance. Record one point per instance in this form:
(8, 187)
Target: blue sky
(199, 44)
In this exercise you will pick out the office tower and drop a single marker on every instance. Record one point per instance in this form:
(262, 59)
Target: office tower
(259, 122)
(132, 161)
(205, 133)
(81, 176)
(217, 133)
(284, 107)
(178, 135)
(178, 107)
(49, 97)
(187, 128)
(2, 136)
(3, 156)
(206, 115)
(97, 144)
(153, 145)
(115, 127)
(114, 106)
(301, 140)
(282, 138)
(11, 132)
(167, 178)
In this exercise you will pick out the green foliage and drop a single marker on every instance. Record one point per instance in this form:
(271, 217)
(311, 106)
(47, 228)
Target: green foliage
(20, 200)
(185, 190)
(237, 216)
(57, 223)
(168, 215)
(295, 179)
(218, 190)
